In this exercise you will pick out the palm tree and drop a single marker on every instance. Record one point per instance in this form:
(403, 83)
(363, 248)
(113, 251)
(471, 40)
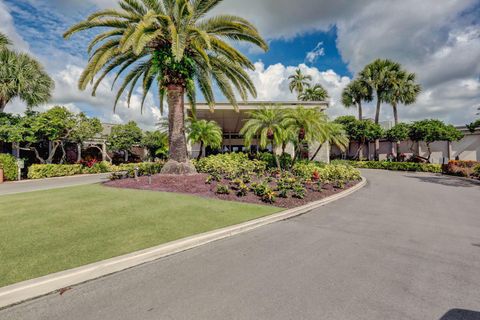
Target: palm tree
(207, 133)
(376, 75)
(265, 124)
(403, 90)
(175, 46)
(22, 77)
(315, 93)
(307, 124)
(299, 81)
(334, 135)
(353, 95)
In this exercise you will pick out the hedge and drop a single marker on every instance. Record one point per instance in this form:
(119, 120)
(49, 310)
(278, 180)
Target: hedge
(394, 166)
(9, 165)
(41, 171)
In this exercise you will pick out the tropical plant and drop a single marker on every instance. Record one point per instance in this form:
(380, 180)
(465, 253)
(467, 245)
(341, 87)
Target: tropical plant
(156, 143)
(402, 90)
(473, 126)
(85, 129)
(354, 94)
(299, 81)
(397, 133)
(123, 137)
(315, 93)
(171, 44)
(335, 135)
(22, 77)
(206, 133)
(265, 124)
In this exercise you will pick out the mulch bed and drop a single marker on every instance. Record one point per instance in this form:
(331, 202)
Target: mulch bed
(195, 185)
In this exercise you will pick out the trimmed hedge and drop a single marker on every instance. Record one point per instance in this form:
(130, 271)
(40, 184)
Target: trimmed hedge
(9, 165)
(41, 171)
(394, 166)
(231, 164)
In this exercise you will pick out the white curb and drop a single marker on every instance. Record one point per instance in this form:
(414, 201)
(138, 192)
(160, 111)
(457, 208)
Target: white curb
(30, 289)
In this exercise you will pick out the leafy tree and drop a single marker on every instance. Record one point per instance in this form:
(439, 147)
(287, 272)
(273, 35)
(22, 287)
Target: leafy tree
(22, 77)
(335, 135)
(156, 143)
(171, 45)
(362, 131)
(315, 93)
(402, 90)
(431, 130)
(85, 129)
(123, 137)
(299, 82)
(207, 133)
(308, 126)
(473, 126)
(398, 133)
(265, 124)
(354, 94)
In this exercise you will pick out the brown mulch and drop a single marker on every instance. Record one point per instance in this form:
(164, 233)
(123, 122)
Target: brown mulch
(195, 185)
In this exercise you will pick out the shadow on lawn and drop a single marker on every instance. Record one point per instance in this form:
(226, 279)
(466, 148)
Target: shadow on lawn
(449, 181)
(461, 314)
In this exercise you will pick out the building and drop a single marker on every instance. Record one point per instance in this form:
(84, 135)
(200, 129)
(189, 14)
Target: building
(232, 122)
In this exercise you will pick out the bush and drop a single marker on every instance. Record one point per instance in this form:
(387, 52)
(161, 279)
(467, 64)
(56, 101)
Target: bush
(144, 168)
(299, 191)
(222, 189)
(232, 165)
(307, 169)
(460, 168)
(269, 196)
(285, 160)
(41, 171)
(9, 165)
(338, 174)
(394, 166)
(476, 170)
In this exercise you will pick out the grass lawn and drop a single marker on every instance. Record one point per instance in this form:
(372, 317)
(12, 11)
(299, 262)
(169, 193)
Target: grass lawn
(48, 231)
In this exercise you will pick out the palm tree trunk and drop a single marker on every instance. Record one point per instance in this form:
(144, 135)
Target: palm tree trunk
(360, 113)
(395, 113)
(275, 156)
(176, 122)
(201, 151)
(3, 104)
(377, 111)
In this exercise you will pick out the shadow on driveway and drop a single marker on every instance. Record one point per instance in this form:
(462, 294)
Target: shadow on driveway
(461, 314)
(449, 181)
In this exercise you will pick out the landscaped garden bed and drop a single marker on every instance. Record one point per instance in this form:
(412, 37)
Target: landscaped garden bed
(235, 177)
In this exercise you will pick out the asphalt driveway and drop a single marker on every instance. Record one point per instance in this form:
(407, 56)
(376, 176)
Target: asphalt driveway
(407, 246)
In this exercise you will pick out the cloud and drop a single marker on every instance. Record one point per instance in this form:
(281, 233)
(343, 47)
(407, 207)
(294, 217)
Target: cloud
(7, 27)
(313, 55)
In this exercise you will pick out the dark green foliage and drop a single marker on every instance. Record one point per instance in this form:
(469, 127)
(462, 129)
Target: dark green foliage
(269, 196)
(222, 189)
(124, 136)
(473, 126)
(156, 143)
(9, 165)
(299, 191)
(400, 132)
(395, 166)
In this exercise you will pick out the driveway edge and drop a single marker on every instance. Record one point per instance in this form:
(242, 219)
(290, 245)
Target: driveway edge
(33, 288)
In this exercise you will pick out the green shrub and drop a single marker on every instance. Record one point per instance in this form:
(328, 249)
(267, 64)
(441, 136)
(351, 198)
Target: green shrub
(285, 160)
(144, 168)
(41, 171)
(269, 196)
(232, 165)
(395, 166)
(299, 191)
(306, 169)
(476, 170)
(283, 193)
(222, 189)
(259, 189)
(242, 190)
(338, 173)
(9, 165)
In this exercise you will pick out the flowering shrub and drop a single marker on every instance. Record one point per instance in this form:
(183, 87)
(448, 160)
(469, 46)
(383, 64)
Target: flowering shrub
(233, 165)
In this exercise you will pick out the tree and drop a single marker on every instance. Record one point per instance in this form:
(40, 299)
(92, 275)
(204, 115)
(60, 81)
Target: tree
(308, 126)
(265, 124)
(171, 44)
(123, 137)
(377, 76)
(299, 81)
(156, 143)
(207, 133)
(355, 93)
(473, 126)
(335, 135)
(362, 131)
(402, 90)
(85, 129)
(397, 133)
(22, 77)
(431, 130)
(315, 93)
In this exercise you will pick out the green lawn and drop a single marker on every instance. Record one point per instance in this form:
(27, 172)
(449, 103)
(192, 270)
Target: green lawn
(48, 231)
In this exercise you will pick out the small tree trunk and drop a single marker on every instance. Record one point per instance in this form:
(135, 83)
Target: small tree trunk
(79, 152)
(429, 152)
(275, 157)
(395, 113)
(360, 111)
(3, 104)
(316, 152)
(52, 152)
(126, 155)
(201, 151)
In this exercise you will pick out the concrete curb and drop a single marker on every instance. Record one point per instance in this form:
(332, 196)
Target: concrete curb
(30, 289)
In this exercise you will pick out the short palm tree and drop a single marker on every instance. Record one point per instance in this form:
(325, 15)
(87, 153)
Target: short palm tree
(265, 124)
(315, 93)
(22, 77)
(299, 81)
(4, 41)
(334, 135)
(207, 133)
(307, 124)
(354, 94)
(403, 90)
(175, 46)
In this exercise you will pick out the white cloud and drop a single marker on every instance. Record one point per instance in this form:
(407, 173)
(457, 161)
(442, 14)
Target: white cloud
(317, 52)
(7, 27)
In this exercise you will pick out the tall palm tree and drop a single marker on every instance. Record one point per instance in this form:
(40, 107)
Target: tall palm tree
(308, 125)
(334, 135)
(207, 133)
(265, 124)
(354, 94)
(403, 90)
(22, 77)
(377, 75)
(315, 93)
(175, 46)
(299, 81)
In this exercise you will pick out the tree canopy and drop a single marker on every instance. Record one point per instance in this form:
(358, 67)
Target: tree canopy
(124, 136)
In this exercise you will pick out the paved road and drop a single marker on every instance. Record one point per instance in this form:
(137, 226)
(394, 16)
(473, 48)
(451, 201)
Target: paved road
(53, 183)
(407, 246)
